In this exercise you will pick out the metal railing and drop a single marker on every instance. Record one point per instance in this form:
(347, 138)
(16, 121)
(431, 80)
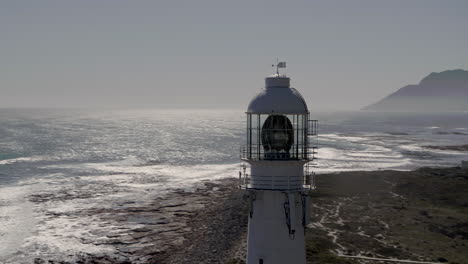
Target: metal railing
(312, 127)
(279, 183)
(257, 152)
(304, 152)
(312, 133)
(304, 149)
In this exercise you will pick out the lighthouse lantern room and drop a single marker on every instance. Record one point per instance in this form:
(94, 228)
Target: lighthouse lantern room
(276, 172)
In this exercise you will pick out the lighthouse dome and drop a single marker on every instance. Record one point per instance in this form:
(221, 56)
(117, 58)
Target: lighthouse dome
(278, 97)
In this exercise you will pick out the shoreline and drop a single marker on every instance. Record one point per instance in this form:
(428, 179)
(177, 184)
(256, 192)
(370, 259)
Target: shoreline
(206, 225)
(452, 147)
(419, 215)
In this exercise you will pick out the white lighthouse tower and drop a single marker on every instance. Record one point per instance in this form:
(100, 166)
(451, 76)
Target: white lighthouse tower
(278, 151)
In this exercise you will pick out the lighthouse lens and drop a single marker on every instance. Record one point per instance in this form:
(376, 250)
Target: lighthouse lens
(277, 134)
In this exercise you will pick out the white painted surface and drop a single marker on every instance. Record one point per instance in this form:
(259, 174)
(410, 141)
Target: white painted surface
(278, 97)
(277, 81)
(269, 237)
(277, 175)
(277, 182)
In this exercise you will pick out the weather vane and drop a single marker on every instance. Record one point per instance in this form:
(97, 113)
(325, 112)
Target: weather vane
(281, 64)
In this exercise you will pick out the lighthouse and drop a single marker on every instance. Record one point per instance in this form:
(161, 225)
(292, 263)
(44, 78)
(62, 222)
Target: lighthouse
(276, 172)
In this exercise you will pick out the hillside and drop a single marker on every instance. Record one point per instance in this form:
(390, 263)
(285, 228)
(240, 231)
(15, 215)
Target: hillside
(443, 91)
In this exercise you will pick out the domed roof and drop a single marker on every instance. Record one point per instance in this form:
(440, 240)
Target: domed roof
(278, 97)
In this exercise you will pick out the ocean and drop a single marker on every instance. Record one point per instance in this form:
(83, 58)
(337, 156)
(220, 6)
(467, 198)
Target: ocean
(66, 161)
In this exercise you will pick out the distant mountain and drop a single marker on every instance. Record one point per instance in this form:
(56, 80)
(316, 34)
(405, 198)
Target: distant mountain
(443, 91)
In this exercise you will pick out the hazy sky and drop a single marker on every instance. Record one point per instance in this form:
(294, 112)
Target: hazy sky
(340, 54)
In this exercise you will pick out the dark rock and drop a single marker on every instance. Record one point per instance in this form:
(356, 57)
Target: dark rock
(443, 91)
(141, 229)
(39, 261)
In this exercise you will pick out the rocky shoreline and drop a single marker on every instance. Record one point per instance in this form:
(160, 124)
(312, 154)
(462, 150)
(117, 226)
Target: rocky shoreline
(205, 225)
(357, 217)
(455, 148)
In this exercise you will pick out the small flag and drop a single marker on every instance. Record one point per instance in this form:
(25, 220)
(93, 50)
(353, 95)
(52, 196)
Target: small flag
(282, 64)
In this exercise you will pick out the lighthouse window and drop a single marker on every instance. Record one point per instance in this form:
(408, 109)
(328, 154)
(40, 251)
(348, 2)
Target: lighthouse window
(277, 137)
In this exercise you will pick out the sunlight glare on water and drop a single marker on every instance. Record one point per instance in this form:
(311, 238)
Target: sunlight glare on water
(68, 161)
